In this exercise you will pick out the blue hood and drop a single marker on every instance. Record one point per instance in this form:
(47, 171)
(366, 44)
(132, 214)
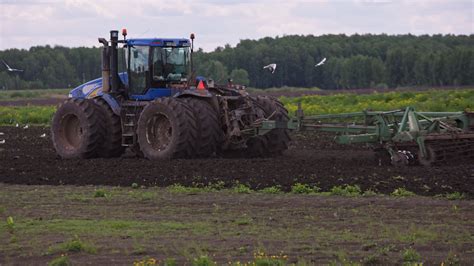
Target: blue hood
(93, 88)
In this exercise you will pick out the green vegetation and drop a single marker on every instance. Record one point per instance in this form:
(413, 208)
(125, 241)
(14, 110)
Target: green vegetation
(402, 192)
(73, 245)
(100, 193)
(433, 101)
(299, 188)
(241, 188)
(62, 260)
(203, 260)
(347, 190)
(411, 256)
(437, 100)
(455, 196)
(10, 115)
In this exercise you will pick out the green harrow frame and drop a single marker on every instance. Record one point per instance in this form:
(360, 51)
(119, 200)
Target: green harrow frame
(400, 137)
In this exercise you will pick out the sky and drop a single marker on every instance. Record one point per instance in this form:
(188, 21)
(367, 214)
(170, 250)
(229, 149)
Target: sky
(74, 23)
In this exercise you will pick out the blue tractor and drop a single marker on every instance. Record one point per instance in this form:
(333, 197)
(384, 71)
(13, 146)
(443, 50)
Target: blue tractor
(159, 109)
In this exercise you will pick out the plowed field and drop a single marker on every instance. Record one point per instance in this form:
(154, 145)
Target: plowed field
(28, 158)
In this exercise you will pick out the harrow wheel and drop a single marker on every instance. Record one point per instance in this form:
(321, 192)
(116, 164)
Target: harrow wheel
(277, 140)
(77, 129)
(167, 130)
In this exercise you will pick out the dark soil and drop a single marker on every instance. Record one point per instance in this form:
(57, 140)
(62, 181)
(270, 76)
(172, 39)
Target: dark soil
(27, 158)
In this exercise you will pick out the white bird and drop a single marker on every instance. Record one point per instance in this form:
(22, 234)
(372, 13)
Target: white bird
(1, 133)
(42, 136)
(17, 125)
(11, 69)
(321, 63)
(2, 141)
(26, 126)
(271, 67)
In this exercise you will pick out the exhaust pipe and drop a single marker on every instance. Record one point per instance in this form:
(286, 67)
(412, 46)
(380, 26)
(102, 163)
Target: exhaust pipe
(105, 66)
(114, 61)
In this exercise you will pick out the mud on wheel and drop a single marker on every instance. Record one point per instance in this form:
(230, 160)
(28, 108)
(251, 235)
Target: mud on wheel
(167, 130)
(209, 131)
(276, 141)
(77, 129)
(112, 144)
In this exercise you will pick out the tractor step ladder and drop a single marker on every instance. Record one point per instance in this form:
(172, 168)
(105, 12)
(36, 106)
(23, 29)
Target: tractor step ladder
(129, 136)
(130, 114)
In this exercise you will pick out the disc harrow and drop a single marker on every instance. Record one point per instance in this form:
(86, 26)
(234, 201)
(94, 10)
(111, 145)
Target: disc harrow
(401, 137)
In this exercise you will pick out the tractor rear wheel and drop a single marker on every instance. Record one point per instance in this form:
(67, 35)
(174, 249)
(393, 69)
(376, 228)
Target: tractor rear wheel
(276, 140)
(208, 127)
(112, 144)
(167, 130)
(77, 129)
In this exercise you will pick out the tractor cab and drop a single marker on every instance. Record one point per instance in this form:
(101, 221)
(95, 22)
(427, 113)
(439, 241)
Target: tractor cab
(156, 67)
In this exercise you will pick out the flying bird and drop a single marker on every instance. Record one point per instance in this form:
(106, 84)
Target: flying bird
(271, 67)
(26, 126)
(11, 69)
(321, 63)
(42, 136)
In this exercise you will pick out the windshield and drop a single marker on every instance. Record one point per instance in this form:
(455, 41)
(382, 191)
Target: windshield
(170, 63)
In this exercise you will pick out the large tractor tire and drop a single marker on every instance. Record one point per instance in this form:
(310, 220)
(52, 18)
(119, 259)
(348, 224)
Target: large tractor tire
(167, 130)
(209, 131)
(112, 144)
(77, 129)
(276, 141)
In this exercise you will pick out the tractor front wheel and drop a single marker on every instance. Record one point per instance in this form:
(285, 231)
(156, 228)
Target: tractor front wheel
(77, 129)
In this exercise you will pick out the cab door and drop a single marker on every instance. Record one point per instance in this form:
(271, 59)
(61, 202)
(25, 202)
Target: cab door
(139, 72)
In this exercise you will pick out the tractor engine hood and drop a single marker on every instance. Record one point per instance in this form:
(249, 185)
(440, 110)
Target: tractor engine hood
(93, 88)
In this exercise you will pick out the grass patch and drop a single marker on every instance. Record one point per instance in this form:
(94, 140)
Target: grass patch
(299, 188)
(347, 191)
(455, 196)
(10, 115)
(62, 260)
(100, 193)
(241, 188)
(203, 260)
(142, 195)
(178, 188)
(73, 245)
(243, 220)
(402, 192)
(110, 228)
(411, 256)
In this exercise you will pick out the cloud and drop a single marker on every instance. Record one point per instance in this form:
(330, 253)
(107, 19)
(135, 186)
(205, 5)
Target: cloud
(218, 22)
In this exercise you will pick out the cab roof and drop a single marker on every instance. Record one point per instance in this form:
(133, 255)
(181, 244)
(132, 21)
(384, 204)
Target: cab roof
(159, 42)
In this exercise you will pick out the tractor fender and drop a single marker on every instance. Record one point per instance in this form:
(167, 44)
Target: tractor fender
(112, 102)
(193, 92)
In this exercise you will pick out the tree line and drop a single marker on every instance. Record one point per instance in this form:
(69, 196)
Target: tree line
(355, 61)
